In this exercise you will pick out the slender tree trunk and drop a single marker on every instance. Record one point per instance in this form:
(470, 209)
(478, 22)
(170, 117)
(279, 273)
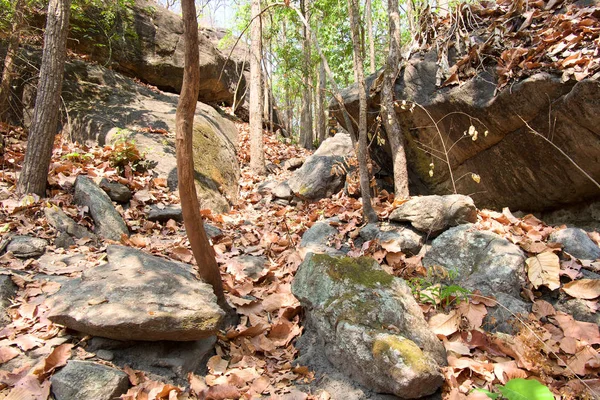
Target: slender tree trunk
(306, 125)
(389, 116)
(194, 227)
(369, 18)
(321, 106)
(257, 154)
(359, 74)
(410, 15)
(44, 123)
(9, 71)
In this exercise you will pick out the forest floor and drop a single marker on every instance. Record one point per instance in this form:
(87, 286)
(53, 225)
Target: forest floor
(257, 356)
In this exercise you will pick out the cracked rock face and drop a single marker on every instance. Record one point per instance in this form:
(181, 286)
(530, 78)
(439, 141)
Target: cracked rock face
(136, 296)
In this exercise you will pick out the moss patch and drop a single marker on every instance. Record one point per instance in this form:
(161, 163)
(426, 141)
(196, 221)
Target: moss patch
(206, 153)
(357, 270)
(396, 346)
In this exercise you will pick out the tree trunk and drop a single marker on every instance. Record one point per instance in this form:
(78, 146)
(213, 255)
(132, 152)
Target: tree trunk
(365, 189)
(389, 116)
(321, 105)
(257, 154)
(44, 123)
(194, 227)
(9, 71)
(369, 18)
(306, 126)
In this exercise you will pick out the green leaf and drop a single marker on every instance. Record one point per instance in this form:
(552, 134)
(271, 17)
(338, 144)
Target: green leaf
(488, 393)
(525, 389)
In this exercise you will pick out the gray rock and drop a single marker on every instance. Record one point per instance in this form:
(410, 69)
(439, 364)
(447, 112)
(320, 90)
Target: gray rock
(266, 187)
(338, 145)
(371, 326)
(432, 214)
(69, 229)
(157, 214)
(8, 290)
(24, 246)
(212, 231)
(293, 163)
(577, 243)
(398, 235)
(320, 238)
(165, 361)
(502, 318)
(108, 221)
(317, 178)
(283, 191)
(251, 265)
(136, 296)
(88, 380)
(478, 260)
(116, 191)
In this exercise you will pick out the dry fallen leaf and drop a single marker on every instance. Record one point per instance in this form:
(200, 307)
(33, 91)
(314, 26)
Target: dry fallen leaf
(587, 289)
(543, 269)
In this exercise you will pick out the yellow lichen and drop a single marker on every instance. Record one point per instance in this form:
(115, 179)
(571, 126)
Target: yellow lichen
(394, 347)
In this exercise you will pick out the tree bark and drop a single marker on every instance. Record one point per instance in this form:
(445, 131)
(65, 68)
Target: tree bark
(184, 119)
(365, 189)
(389, 116)
(44, 123)
(9, 71)
(369, 18)
(321, 105)
(257, 154)
(306, 125)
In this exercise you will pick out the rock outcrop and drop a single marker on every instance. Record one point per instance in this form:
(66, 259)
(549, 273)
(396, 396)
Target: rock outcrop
(371, 326)
(136, 296)
(517, 169)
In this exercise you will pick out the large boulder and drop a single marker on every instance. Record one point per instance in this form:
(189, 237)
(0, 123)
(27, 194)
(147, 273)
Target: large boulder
(477, 259)
(507, 157)
(136, 296)
(576, 242)
(394, 237)
(109, 223)
(151, 48)
(105, 107)
(338, 145)
(432, 214)
(372, 328)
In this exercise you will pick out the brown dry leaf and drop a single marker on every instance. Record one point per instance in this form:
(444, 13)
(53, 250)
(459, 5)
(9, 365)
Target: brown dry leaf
(586, 289)
(585, 361)
(543, 269)
(259, 385)
(57, 358)
(283, 332)
(135, 377)
(221, 392)
(29, 388)
(542, 309)
(197, 384)
(28, 342)
(279, 300)
(217, 366)
(457, 347)
(182, 254)
(586, 332)
(7, 353)
(508, 370)
(474, 313)
(445, 324)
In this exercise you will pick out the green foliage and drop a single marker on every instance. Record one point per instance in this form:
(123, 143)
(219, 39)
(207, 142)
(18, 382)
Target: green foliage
(521, 389)
(430, 290)
(75, 156)
(125, 154)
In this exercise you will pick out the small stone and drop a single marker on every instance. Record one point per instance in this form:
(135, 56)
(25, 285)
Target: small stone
(105, 355)
(8, 290)
(163, 214)
(576, 242)
(116, 191)
(88, 380)
(266, 187)
(252, 266)
(65, 224)
(27, 246)
(293, 163)
(283, 191)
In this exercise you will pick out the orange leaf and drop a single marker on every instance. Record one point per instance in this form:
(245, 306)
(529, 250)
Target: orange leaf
(583, 288)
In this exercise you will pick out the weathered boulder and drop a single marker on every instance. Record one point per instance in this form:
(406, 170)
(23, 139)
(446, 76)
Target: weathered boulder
(338, 145)
(317, 179)
(509, 159)
(88, 380)
(24, 246)
(68, 229)
(266, 187)
(109, 223)
(116, 191)
(372, 328)
(8, 290)
(576, 242)
(394, 236)
(478, 260)
(106, 107)
(136, 296)
(432, 214)
(154, 53)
